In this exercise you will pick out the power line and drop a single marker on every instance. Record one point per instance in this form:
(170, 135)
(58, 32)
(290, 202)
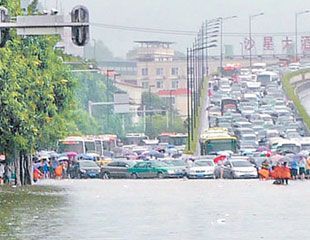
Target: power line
(190, 33)
(148, 30)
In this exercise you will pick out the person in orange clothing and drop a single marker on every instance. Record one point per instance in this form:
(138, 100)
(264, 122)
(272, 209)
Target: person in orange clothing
(36, 175)
(276, 174)
(58, 171)
(308, 167)
(286, 173)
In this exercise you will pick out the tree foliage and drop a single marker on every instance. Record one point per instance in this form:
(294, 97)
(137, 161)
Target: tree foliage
(35, 93)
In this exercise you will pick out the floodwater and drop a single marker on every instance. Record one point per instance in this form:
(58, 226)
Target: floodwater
(157, 209)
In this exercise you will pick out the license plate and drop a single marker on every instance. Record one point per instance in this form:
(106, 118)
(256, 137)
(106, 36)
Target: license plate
(92, 175)
(200, 175)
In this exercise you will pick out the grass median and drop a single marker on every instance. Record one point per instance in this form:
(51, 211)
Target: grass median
(290, 91)
(193, 143)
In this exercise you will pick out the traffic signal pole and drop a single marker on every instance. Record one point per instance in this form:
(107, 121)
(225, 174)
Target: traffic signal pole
(47, 25)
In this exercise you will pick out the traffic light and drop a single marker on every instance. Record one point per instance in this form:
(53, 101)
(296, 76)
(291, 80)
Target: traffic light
(80, 35)
(4, 32)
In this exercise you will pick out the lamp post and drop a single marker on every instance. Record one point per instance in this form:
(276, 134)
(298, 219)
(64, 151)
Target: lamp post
(150, 107)
(241, 45)
(211, 31)
(107, 93)
(296, 31)
(171, 108)
(95, 43)
(250, 35)
(221, 38)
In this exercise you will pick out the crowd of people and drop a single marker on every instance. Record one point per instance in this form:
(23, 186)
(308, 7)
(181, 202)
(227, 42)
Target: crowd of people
(297, 168)
(50, 169)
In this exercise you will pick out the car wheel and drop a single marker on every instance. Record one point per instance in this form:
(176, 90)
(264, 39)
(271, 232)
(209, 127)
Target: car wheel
(160, 175)
(134, 176)
(106, 175)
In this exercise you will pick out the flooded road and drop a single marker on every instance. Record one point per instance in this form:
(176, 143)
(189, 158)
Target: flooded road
(162, 209)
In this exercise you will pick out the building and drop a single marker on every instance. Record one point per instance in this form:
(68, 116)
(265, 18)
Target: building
(160, 70)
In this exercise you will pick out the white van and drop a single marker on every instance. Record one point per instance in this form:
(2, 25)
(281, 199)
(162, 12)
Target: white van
(266, 77)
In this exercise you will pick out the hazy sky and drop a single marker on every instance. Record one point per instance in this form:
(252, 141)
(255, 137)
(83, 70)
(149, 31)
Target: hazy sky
(186, 15)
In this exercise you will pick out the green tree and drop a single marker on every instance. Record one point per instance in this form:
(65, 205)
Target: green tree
(35, 93)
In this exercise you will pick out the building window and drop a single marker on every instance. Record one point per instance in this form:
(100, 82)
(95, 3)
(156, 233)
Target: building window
(168, 100)
(160, 84)
(159, 71)
(175, 71)
(145, 84)
(145, 71)
(175, 84)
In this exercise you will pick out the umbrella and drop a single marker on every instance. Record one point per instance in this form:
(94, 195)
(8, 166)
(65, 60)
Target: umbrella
(36, 166)
(54, 155)
(71, 154)
(262, 149)
(219, 158)
(63, 158)
(276, 158)
(84, 157)
(304, 153)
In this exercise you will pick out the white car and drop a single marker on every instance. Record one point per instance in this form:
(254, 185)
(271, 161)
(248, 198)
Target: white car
(239, 167)
(202, 168)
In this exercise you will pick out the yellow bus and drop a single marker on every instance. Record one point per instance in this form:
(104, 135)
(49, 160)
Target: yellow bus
(216, 140)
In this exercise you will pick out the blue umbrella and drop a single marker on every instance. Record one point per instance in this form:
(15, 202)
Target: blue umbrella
(85, 157)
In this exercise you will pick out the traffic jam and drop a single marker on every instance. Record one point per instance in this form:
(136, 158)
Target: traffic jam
(253, 129)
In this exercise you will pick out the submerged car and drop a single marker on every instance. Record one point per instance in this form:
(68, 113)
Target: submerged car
(85, 169)
(202, 168)
(154, 169)
(116, 169)
(239, 168)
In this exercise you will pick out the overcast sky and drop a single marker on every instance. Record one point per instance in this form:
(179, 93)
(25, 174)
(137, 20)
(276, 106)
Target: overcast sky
(185, 15)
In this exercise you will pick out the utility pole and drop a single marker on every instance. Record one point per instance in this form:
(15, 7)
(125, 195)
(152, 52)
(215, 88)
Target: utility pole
(188, 101)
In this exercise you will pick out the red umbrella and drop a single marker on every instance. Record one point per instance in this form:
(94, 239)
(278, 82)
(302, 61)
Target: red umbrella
(71, 154)
(219, 158)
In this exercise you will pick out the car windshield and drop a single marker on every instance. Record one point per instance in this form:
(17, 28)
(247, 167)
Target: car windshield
(203, 163)
(177, 163)
(241, 164)
(86, 164)
(160, 164)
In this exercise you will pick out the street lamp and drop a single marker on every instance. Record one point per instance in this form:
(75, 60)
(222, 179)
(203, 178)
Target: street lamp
(296, 31)
(95, 49)
(250, 35)
(241, 44)
(221, 38)
(150, 107)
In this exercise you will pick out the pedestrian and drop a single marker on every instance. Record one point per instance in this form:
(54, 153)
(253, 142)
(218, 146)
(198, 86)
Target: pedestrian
(285, 173)
(58, 171)
(37, 174)
(302, 168)
(276, 174)
(1, 173)
(45, 169)
(308, 167)
(294, 168)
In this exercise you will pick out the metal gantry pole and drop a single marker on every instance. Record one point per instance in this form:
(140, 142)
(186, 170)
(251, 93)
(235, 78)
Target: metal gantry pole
(188, 103)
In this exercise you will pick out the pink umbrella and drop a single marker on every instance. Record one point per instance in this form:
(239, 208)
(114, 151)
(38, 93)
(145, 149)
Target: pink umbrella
(276, 158)
(71, 154)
